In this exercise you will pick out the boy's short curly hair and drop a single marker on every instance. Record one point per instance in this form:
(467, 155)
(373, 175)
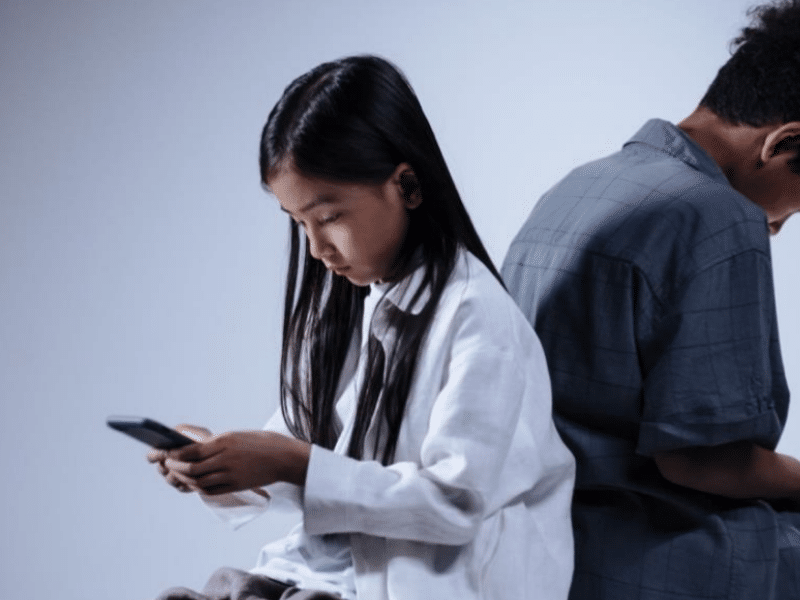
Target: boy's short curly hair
(760, 83)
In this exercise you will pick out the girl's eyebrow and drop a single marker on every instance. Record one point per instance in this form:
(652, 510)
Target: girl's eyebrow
(324, 199)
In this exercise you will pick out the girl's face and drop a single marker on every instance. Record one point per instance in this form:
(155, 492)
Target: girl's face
(355, 229)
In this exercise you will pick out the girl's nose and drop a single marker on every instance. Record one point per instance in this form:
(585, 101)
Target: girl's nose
(317, 245)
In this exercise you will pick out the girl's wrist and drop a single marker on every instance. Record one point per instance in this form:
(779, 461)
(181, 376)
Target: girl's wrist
(296, 456)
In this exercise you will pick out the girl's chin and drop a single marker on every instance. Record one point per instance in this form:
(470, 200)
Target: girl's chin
(361, 277)
(361, 280)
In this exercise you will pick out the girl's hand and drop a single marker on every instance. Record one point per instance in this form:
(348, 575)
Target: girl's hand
(237, 460)
(160, 457)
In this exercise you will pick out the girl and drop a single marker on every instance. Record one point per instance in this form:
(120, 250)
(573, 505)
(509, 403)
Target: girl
(415, 431)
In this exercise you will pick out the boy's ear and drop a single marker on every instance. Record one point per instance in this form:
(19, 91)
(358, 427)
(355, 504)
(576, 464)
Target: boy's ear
(409, 186)
(780, 140)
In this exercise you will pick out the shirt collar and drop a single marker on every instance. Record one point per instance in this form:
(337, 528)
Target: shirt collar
(393, 298)
(666, 137)
(400, 293)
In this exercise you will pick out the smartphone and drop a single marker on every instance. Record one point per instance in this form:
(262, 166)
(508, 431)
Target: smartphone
(150, 432)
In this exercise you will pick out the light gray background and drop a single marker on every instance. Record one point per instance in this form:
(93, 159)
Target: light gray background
(141, 264)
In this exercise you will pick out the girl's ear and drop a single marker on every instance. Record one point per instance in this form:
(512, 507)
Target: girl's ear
(409, 185)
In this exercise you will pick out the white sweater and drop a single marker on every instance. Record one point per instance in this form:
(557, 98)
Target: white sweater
(477, 502)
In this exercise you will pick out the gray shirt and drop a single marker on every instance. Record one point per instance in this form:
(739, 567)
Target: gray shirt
(648, 280)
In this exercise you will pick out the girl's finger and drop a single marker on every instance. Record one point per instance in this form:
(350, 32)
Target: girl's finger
(215, 483)
(195, 470)
(221, 489)
(156, 456)
(173, 480)
(194, 431)
(195, 452)
(179, 485)
(179, 482)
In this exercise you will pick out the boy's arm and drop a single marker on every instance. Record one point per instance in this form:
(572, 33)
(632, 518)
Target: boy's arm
(735, 470)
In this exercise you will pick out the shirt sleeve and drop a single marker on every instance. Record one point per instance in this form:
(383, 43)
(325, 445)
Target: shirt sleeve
(443, 496)
(716, 374)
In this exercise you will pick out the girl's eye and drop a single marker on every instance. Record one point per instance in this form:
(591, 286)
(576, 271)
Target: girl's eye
(330, 218)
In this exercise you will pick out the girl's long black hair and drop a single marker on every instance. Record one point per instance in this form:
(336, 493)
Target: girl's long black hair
(355, 120)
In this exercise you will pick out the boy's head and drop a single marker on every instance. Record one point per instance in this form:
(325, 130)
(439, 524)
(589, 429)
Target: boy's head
(760, 83)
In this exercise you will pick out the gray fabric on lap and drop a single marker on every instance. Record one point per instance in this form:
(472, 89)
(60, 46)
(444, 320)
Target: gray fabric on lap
(234, 584)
